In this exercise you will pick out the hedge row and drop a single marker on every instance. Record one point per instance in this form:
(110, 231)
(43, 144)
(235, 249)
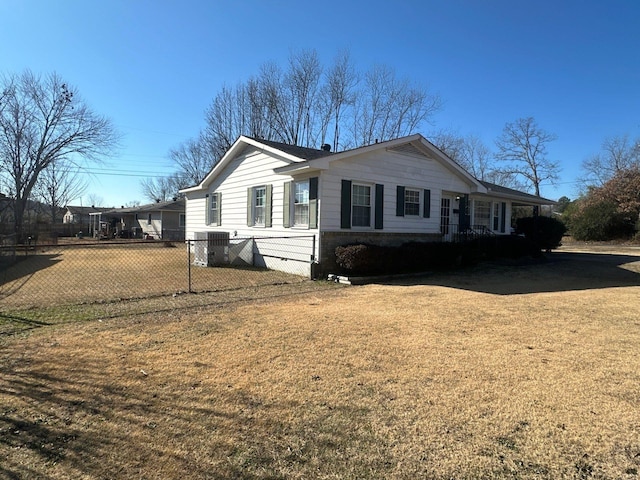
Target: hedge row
(365, 259)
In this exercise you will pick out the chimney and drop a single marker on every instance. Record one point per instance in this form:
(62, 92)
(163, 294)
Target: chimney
(326, 147)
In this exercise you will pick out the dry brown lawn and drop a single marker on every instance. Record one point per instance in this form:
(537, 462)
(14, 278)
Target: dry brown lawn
(89, 272)
(500, 371)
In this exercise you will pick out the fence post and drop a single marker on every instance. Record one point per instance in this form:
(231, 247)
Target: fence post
(189, 266)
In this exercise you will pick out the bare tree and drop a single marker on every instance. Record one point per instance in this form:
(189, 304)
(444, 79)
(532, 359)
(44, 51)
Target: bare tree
(523, 146)
(388, 107)
(194, 159)
(95, 200)
(162, 189)
(58, 185)
(336, 97)
(471, 153)
(298, 105)
(449, 142)
(43, 120)
(617, 154)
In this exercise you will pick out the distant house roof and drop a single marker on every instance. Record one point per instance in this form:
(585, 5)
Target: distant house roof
(75, 210)
(169, 206)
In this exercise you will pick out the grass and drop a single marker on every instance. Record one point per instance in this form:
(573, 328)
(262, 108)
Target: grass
(110, 272)
(494, 372)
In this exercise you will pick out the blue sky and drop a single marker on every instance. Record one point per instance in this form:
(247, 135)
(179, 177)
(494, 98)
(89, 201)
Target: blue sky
(153, 66)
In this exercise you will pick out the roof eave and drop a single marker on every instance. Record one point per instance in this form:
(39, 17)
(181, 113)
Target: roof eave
(521, 200)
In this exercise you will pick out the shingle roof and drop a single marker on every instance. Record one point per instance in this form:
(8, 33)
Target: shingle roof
(85, 210)
(301, 152)
(171, 205)
(510, 191)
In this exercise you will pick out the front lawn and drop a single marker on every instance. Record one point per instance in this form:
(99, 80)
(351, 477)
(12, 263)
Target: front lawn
(493, 372)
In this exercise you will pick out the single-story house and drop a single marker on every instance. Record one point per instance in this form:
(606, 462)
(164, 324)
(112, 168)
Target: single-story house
(154, 221)
(387, 193)
(80, 215)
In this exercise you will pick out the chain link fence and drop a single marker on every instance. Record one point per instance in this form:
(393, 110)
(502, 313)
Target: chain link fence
(54, 282)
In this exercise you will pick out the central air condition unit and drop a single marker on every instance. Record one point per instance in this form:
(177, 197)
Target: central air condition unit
(211, 248)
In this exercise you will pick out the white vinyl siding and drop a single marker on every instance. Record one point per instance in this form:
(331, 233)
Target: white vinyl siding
(391, 170)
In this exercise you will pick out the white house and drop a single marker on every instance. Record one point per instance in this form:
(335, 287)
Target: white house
(154, 221)
(299, 203)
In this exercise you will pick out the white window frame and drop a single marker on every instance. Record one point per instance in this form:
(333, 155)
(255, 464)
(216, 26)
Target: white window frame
(259, 221)
(214, 213)
(300, 199)
(182, 220)
(487, 220)
(496, 219)
(418, 192)
(354, 205)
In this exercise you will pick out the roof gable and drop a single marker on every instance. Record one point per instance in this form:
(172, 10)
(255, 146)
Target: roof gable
(283, 151)
(301, 159)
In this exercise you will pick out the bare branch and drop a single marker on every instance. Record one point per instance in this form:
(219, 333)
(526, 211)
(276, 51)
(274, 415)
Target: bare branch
(44, 121)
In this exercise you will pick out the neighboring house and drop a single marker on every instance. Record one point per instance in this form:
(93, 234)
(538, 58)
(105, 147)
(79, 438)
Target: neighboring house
(80, 215)
(386, 193)
(154, 221)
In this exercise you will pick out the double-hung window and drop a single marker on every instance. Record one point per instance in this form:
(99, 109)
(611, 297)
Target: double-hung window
(214, 209)
(301, 203)
(259, 205)
(482, 214)
(411, 202)
(361, 205)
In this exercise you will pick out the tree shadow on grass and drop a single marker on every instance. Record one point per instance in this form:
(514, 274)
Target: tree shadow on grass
(557, 272)
(77, 421)
(18, 274)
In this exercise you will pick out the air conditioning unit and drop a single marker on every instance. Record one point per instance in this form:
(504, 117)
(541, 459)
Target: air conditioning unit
(211, 248)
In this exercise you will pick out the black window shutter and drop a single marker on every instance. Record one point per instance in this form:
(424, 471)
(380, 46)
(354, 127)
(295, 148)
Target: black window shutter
(464, 220)
(313, 202)
(345, 204)
(503, 220)
(399, 201)
(426, 209)
(379, 207)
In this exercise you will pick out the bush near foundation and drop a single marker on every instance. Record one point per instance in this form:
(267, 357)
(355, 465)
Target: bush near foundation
(366, 259)
(545, 232)
(505, 246)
